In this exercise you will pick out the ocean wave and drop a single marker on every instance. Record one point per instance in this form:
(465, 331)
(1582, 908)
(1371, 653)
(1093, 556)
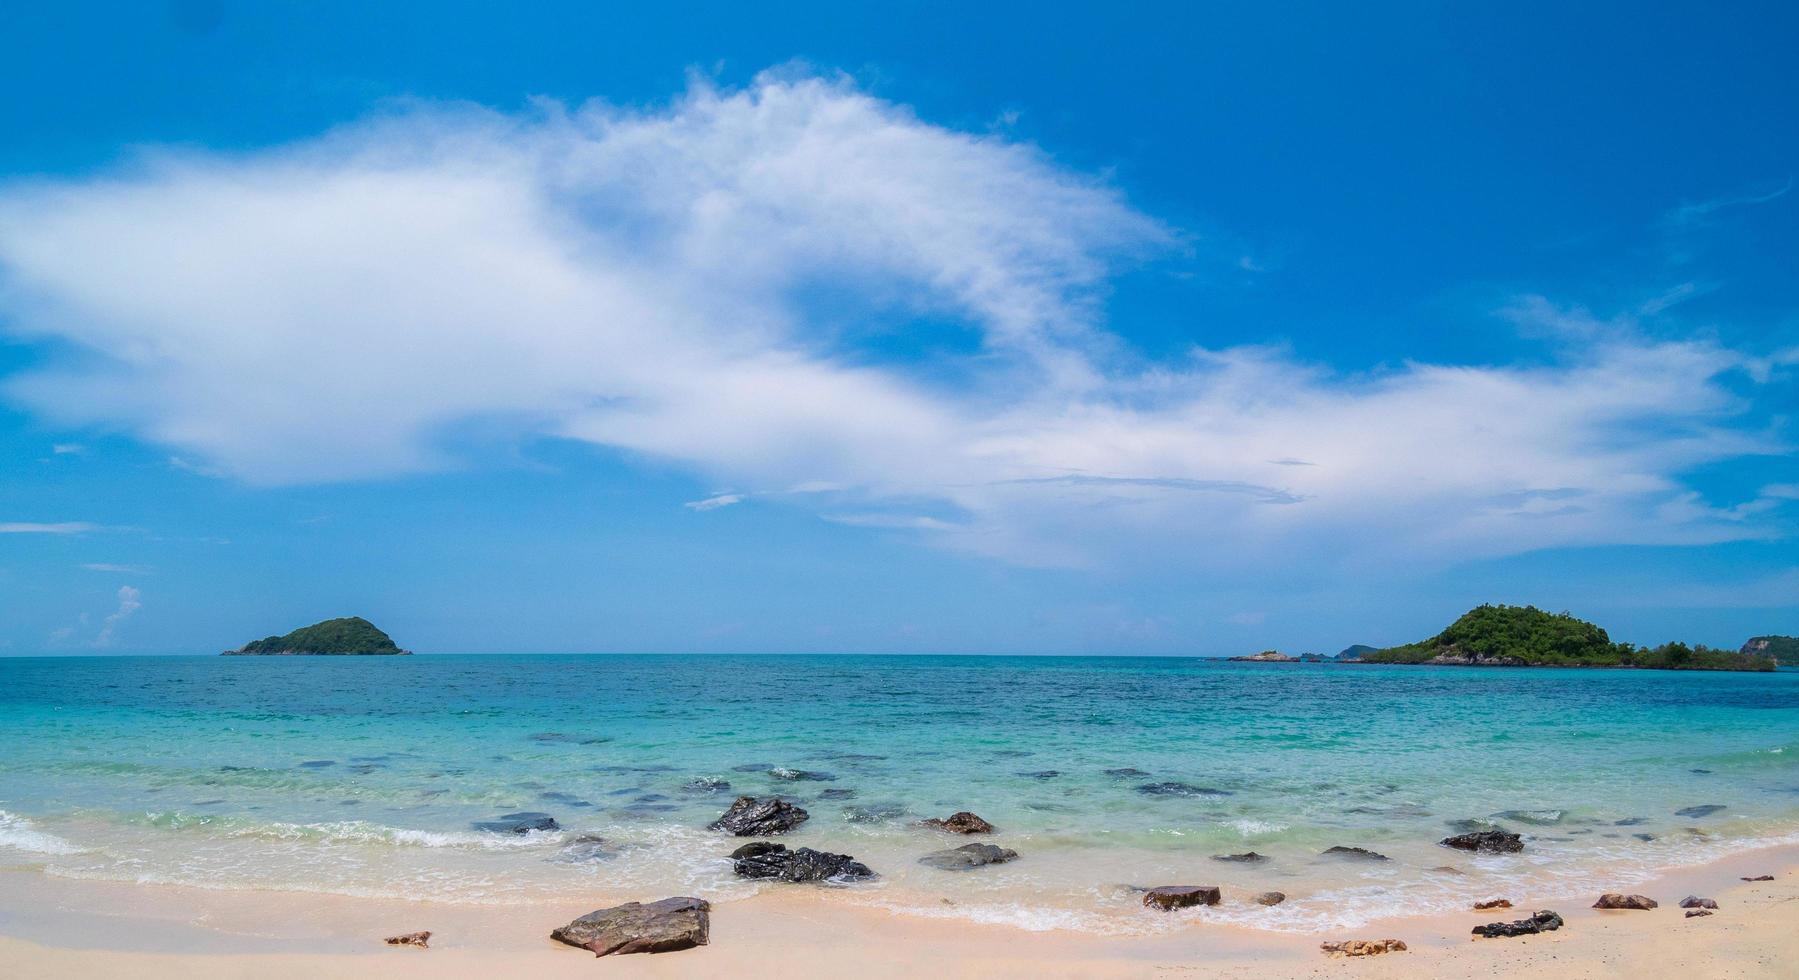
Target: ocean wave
(347, 832)
(21, 834)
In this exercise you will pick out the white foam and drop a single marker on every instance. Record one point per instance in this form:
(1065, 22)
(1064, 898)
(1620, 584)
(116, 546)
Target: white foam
(21, 834)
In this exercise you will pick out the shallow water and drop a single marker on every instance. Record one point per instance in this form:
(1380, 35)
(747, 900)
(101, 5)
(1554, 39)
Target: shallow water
(367, 776)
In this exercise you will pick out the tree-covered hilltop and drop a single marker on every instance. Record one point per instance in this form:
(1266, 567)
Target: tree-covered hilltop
(350, 636)
(1784, 650)
(1525, 636)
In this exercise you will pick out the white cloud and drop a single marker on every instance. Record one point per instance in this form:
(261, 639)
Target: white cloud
(699, 284)
(129, 602)
(714, 502)
(68, 449)
(109, 567)
(61, 527)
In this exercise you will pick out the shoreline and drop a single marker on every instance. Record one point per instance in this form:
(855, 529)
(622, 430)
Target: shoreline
(59, 927)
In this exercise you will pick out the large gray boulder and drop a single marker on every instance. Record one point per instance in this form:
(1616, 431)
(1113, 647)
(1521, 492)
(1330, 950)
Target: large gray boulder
(763, 860)
(751, 817)
(659, 927)
(968, 856)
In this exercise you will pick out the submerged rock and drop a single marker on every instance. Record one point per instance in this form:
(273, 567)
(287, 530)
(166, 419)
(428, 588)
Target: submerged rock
(764, 860)
(1495, 903)
(1543, 921)
(420, 939)
(1041, 774)
(1363, 947)
(1166, 897)
(960, 822)
(837, 793)
(752, 817)
(706, 784)
(659, 927)
(1128, 772)
(1180, 789)
(968, 857)
(1355, 854)
(519, 823)
(1695, 902)
(1541, 818)
(1270, 898)
(1486, 842)
(586, 847)
(801, 775)
(1248, 857)
(874, 813)
(1699, 811)
(1613, 900)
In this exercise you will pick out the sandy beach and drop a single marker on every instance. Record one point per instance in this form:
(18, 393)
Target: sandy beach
(58, 928)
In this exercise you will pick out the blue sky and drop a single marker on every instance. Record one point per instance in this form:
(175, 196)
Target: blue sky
(1127, 329)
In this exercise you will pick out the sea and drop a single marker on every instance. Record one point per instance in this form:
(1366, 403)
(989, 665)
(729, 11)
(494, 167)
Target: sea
(372, 776)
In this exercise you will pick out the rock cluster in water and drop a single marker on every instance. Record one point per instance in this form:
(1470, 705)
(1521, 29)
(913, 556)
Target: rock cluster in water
(519, 823)
(659, 927)
(1167, 897)
(751, 817)
(960, 822)
(766, 860)
(1543, 921)
(1486, 842)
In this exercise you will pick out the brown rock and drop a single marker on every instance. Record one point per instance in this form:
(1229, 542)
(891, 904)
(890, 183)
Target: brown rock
(659, 927)
(1168, 897)
(1363, 947)
(960, 822)
(1613, 900)
(1692, 913)
(1695, 902)
(1497, 903)
(1271, 898)
(420, 939)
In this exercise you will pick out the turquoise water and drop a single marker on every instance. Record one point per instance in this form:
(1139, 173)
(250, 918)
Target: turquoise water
(366, 776)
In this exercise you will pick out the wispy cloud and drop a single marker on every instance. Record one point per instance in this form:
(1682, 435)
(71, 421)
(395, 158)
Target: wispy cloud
(714, 502)
(641, 280)
(68, 449)
(1695, 212)
(109, 567)
(60, 527)
(130, 601)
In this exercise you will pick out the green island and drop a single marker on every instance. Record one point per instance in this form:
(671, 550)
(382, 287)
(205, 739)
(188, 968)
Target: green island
(1525, 636)
(1783, 649)
(349, 636)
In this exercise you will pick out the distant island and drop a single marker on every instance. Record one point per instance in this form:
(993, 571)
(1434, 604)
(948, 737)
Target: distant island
(351, 636)
(1525, 636)
(1783, 649)
(1267, 657)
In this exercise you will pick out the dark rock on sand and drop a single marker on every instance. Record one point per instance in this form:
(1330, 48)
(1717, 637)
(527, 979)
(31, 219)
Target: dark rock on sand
(1543, 921)
(1695, 902)
(1496, 903)
(420, 939)
(968, 857)
(1180, 789)
(1613, 900)
(1760, 878)
(519, 823)
(1248, 857)
(1699, 811)
(752, 817)
(1363, 947)
(1355, 854)
(1270, 898)
(764, 860)
(1694, 913)
(659, 927)
(960, 822)
(1486, 842)
(1166, 897)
